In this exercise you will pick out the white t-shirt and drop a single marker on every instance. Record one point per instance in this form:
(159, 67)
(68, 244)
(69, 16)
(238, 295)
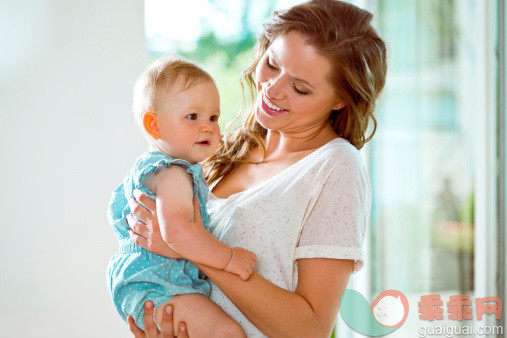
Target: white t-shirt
(316, 208)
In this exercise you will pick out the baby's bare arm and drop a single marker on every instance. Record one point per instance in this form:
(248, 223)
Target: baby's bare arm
(179, 230)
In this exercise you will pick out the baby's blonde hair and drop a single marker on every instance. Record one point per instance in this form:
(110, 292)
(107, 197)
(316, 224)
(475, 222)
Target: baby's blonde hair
(166, 74)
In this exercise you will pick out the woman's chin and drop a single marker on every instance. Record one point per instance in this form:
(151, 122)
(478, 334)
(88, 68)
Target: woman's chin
(269, 121)
(263, 120)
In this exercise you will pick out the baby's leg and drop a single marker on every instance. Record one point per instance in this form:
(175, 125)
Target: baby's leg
(203, 317)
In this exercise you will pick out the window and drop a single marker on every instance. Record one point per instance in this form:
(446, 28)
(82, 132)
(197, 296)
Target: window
(435, 224)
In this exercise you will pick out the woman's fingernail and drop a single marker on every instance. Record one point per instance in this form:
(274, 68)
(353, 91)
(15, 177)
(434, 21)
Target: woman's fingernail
(182, 327)
(169, 310)
(149, 305)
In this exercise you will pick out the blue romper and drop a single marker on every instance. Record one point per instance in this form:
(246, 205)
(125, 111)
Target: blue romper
(135, 275)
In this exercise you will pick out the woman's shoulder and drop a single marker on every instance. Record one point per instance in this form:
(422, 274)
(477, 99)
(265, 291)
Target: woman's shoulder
(339, 152)
(337, 158)
(344, 165)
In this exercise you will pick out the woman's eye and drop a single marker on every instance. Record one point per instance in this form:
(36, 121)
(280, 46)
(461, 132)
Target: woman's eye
(214, 118)
(300, 92)
(192, 116)
(268, 63)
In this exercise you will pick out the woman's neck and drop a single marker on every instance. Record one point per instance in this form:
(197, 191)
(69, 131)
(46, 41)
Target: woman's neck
(280, 145)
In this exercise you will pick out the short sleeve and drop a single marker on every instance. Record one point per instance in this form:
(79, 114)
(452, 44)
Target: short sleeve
(150, 162)
(152, 165)
(335, 227)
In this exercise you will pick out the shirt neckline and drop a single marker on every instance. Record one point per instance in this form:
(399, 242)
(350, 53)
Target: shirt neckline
(259, 185)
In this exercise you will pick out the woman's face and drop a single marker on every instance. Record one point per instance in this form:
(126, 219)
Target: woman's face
(293, 91)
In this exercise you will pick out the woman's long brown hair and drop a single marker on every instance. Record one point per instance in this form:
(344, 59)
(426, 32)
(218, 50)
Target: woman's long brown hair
(344, 35)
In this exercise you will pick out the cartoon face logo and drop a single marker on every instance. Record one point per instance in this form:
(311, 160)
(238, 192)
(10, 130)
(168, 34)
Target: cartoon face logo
(390, 308)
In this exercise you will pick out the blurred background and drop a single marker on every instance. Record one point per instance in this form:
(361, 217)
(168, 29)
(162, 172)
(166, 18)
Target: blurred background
(67, 68)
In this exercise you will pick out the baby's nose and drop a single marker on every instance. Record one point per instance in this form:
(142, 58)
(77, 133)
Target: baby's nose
(206, 127)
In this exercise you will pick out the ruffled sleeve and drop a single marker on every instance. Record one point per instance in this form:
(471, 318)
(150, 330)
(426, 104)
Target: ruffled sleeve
(336, 225)
(150, 162)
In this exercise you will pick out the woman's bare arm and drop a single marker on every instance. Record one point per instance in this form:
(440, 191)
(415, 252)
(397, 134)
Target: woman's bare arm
(310, 311)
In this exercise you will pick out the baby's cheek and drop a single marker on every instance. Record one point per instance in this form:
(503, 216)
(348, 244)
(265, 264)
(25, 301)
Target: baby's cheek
(217, 138)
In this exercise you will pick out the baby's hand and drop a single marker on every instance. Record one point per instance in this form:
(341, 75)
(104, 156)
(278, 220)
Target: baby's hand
(242, 263)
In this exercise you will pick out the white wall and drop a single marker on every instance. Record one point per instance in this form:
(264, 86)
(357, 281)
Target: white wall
(67, 137)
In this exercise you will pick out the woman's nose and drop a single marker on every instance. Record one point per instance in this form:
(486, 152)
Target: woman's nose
(273, 88)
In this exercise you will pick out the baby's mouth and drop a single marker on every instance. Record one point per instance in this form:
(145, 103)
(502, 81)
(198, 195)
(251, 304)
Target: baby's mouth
(204, 143)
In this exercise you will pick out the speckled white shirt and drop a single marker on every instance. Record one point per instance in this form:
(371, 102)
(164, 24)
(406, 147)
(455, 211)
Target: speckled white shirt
(316, 208)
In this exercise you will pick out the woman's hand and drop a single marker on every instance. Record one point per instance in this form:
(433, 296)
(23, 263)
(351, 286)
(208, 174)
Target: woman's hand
(144, 226)
(151, 328)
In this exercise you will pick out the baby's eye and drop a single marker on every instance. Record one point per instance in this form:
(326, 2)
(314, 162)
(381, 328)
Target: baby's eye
(191, 116)
(214, 118)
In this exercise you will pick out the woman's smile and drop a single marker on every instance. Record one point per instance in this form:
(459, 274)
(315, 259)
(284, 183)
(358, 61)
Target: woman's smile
(270, 108)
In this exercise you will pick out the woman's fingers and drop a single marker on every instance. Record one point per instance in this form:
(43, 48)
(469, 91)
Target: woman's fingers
(182, 331)
(151, 328)
(167, 325)
(136, 331)
(145, 200)
(139, 240)
(167, 322)
(140, 212)
(136, 226)
(149, 320)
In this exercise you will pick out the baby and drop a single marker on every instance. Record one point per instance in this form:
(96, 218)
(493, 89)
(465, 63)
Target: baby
(177, 106)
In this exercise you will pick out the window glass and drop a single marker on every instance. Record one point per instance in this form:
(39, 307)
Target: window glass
(422, 157)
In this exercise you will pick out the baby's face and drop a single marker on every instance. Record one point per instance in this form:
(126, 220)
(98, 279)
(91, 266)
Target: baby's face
(188, 123)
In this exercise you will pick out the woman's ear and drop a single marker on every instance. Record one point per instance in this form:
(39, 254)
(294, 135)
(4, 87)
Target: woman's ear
(339, 105)
(150, 124)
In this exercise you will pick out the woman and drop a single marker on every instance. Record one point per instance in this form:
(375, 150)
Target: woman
(289, 184)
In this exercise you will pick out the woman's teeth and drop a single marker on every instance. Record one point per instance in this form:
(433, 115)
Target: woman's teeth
(271, 106)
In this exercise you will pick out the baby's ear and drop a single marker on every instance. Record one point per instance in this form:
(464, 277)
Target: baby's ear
(150, 124)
